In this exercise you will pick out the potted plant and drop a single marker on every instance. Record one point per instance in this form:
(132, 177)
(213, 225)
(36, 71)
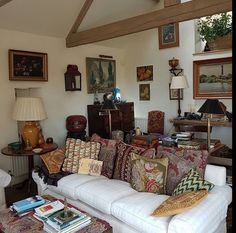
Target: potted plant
(216, 30)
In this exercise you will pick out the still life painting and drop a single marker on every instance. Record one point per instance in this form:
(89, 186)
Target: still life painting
(145, 73)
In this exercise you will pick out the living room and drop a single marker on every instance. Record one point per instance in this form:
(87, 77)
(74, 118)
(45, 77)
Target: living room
(129, 52)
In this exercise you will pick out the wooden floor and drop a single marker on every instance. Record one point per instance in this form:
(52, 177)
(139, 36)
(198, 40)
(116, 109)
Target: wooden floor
(20, 191)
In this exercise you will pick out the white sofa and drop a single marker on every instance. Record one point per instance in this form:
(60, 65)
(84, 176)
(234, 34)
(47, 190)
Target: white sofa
(128, 211)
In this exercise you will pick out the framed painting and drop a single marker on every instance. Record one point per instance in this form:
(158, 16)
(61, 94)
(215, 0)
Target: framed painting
(212, 78)
(144, 73)
(101, 75)
(27, 66)
(173, 93)
(144, 91)
(168, 35)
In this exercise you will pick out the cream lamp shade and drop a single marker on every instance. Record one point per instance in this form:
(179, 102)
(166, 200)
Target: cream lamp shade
(29, 109)
(178, 82)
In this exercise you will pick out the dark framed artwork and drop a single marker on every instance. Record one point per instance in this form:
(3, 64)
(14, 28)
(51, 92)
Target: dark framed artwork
(173, 94)
(144, 91)
(212, 78)
(27, 66)
(145, 73)
(168, 35)
(101, 75)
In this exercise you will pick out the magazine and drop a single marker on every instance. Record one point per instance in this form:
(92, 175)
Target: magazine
(49, 208)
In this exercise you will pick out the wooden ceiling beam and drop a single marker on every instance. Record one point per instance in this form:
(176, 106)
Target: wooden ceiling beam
(4, 2)
(176, 13)
(80, 17)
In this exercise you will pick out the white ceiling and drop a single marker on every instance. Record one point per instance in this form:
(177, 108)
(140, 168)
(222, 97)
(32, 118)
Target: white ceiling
(56, 17)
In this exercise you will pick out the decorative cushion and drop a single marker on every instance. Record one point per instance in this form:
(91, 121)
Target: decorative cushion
(107, 154)
(192, 182)
(148, 175)
(123, 159)
(179, 166)
(77, 149)
(53, 160)
(90, 167)
(178, 204)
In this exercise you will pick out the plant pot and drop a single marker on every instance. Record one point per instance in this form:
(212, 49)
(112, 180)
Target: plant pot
(224, 42)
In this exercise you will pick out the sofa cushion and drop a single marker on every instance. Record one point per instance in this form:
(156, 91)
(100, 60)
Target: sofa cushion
(135, 210)
(179, 166)
(123, 160)
(101, 193)
(192, 182)
(90, 167)
(180, 203)
(148, 175)
(53, 160)
(77, 149)
(107, 154)
(69, 185)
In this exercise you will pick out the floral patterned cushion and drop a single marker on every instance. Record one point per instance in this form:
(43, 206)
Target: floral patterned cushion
(77, 149)
(180, 162)
(107, 154)
(123, 159)
(148, 175)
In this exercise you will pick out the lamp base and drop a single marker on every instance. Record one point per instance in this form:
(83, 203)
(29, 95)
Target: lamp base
(30, 134)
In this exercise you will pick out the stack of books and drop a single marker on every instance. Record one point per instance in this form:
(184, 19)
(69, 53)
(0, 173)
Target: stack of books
(183, 136)
(27, 205)
(58, 219)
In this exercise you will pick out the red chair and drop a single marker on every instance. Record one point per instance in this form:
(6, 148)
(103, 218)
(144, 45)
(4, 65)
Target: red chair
(155, 122)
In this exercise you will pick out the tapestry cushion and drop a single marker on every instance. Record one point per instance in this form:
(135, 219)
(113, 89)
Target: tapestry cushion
(148, 175)
(180, 162)
(90, 167)
(192, 182)
(107, 154)
(77, 149)
(180, 203)
(53, 160)
(123, 160)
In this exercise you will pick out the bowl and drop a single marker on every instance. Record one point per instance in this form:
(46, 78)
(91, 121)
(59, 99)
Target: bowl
(37, 150)
(15, 145)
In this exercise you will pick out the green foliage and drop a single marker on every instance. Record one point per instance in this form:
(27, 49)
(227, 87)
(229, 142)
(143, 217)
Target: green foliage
(211, 27)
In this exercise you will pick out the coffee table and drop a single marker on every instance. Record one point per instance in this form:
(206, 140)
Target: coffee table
(27, 223)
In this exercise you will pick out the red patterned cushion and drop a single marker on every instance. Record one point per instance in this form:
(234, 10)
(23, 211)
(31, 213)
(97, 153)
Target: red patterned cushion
(107, 154)
(123, 159)
(77, 149)
(180, 162)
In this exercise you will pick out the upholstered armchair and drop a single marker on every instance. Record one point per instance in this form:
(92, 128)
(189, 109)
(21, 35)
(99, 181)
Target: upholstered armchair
(155, 122)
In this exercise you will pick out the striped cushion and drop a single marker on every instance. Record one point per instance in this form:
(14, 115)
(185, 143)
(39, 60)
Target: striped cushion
(192, 182)
(76, 150)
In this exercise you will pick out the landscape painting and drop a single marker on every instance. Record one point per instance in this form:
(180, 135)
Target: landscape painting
(212, 78)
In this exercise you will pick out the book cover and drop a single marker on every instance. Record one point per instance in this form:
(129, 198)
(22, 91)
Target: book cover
(49, 208)
(28, 203)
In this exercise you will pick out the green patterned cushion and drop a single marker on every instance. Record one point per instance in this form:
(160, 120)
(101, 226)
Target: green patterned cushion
(192, 182)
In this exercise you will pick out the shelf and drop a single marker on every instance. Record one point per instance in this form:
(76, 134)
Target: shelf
(213, 52)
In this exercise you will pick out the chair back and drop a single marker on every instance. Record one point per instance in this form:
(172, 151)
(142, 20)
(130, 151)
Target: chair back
(156, 122)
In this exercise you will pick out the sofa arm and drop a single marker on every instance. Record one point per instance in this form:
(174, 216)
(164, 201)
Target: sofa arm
(5, 178)
(206, 216)
(215, 174)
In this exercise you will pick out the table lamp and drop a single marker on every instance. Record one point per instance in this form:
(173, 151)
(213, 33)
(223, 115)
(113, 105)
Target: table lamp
(30, 110)
(210, 106)
(178, 82)
(108, 106)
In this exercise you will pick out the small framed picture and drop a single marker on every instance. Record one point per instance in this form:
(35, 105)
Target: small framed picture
(168, 35)
(145, 73)
(144, 91)
(174, 93)
(27, 66)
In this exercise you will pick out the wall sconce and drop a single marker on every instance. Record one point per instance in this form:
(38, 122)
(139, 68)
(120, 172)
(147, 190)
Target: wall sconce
(72, 78)
(173, 63)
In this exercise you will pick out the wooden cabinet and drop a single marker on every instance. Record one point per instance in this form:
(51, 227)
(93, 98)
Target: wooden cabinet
(122, 119)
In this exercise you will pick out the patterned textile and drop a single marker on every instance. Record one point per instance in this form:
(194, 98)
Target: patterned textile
(156, 122)
(178, 204)
(148, 175)
(77, 149)
(107, 154)
(90, 167)
(53, 160)
(192, 182)
(123, 160)
(179, 166)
